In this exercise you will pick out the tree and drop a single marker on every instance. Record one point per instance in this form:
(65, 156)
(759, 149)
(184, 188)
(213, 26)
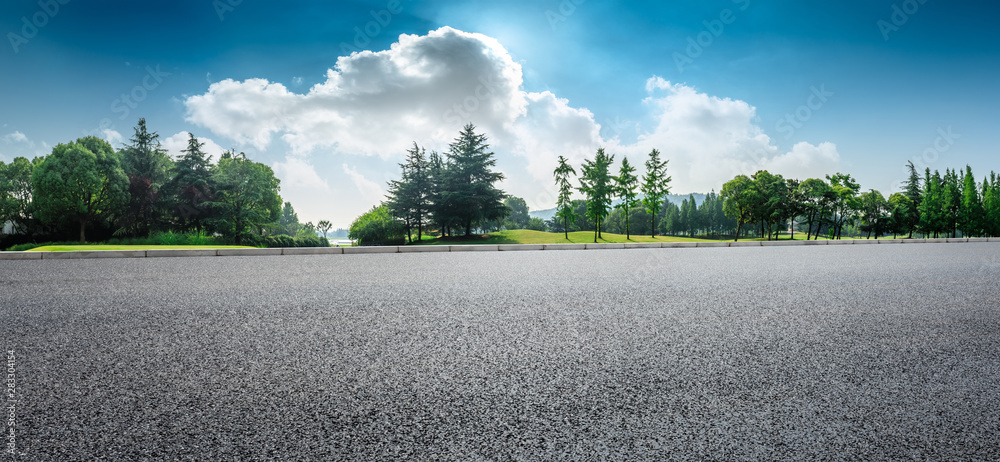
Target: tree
(518, 217)
(376, 227)
(912, 192)
(845, 203)
(874, 212)
(625, 184)
(410, 197)
(952, 201)
(931, 207)
(900, 207)
(655, 187)
(15, 194)
(536, 224)
(247, 199)
(324, 227)
(596, 184)
(739, 198)
(80, 182)
(289, 220)
(991, 205)
(190, 189)
(147, 166)
(469, 191)
(971, 219)
(564, 204)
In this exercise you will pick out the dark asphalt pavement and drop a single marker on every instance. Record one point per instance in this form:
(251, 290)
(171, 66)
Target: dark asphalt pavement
(777, 353)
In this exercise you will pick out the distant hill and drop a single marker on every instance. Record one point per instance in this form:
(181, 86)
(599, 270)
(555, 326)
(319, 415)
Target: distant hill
(676, 199)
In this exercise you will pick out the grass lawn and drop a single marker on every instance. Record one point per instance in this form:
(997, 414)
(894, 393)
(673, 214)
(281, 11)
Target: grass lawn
(525, 236)
(64, 248)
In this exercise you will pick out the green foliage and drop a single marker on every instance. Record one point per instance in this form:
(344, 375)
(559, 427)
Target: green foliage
(289, 220)
(564, 203)
(467, 193)
(655, 187)
(875, 213)
(739, 199)
(15, 194)
(625, 185)
(410, 198)
(190, 190)
(595, 183)
(517, 213)
(377, 227)
(148, 167)
(246, 200)
(79, 183)
(324, 227)
(536, 224)
(285, 241)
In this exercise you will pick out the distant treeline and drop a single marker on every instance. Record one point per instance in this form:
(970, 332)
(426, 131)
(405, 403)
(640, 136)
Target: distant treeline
(86, 188)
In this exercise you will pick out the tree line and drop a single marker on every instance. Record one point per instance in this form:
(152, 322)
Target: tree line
(456, 192)
(88, 188)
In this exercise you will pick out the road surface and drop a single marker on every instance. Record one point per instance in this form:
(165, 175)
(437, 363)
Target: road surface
(845, 352)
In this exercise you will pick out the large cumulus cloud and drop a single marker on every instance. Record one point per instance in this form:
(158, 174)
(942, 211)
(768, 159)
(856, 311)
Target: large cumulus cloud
(425, 87)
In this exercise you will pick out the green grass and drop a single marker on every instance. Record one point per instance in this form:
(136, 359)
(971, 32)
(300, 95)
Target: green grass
(65, 248)
(525, 236)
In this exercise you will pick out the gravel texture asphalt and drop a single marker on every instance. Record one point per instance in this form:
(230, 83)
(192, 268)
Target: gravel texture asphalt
(781, 353)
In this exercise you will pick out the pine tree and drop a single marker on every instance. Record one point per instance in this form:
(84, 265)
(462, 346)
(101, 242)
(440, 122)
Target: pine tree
(470, 192)
(409, 198)
(564, 205)
(972, 213)
(655, 187)
(596, 184)
(147, 165)
(190, 189)
(625, 184)
(912, 191)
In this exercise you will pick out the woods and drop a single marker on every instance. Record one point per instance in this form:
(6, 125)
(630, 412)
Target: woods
(88, 190)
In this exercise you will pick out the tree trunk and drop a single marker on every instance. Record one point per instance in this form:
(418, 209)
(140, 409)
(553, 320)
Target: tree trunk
(83, 231)
(737, 237)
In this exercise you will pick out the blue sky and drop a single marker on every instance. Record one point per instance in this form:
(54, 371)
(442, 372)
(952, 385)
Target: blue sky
(887, 82)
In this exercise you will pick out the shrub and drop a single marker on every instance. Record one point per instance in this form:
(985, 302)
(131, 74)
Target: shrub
(377, 227)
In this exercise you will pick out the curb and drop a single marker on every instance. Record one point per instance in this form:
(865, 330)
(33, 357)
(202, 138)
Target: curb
(158, 253)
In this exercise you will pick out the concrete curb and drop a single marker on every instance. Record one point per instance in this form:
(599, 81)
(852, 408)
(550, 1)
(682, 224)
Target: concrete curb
(248, 252)
(474, 248)
(154, 253)
(182, 252)
(363, 250)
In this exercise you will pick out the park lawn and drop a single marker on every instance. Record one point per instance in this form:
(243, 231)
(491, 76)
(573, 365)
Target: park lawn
(69, 248)
(525, 236)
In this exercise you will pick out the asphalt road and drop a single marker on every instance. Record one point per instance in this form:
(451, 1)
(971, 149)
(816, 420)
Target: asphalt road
(797, 353)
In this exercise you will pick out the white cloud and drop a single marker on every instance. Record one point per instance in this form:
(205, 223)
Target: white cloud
(425, 88)
(178, 142)
(16, 137)
(370, 190)
(17, 144)
(296, 173)
(113, 137)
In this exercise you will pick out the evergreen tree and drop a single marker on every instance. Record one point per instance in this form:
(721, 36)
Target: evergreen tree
(564, 204)
(991, 205)
(625, 184)
(147, 166)
(289, 220)
(900, 209)
(470, 192)
(410, 197)
(596, 184)
(912, 191)
(951, 201)
(932, 205)
(972, 211)
(655, 187)
(190, 188)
